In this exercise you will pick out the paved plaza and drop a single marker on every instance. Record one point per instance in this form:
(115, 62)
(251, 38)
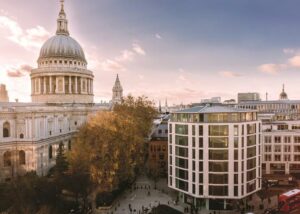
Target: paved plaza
(138, 198)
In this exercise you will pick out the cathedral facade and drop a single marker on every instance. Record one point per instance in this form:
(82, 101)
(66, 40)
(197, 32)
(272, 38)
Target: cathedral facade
(62, 99)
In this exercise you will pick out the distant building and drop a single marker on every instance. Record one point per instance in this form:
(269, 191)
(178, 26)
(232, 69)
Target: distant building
(283, 95)
(158, 148)
(229, 102)
(3, 93)
(117, 91)
(212, 100)
(281, 133)
(214, 155)
(250, 96)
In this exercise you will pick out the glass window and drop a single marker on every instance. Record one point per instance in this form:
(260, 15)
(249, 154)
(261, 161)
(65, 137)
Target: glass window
(236, 166)
(183, 152)
(236, 192)
(182, 174)
(200, 178)
(218, 178)
(236, 178)
(236, 154)
(183, 185)
(277, 157)
(200, 154)
(236, 130)
(277, 139)
(297, 139)
(193, 130)
(200, 166)
(287, 139)
(218, 166)
(200, 130)
(218, 142)
(251, 175)
(277, 148)
(182, 140)
(218, 154)
(236, 142)
(268, 139)
(251, 140)
(251, 163)
(200, 190)
(200, 142)
(181, 129)
(251, 152)
(183, 163)
(218, 190)
(218, 130)
(251, 128)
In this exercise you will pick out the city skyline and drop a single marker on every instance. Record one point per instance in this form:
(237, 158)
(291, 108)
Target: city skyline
(194, 50)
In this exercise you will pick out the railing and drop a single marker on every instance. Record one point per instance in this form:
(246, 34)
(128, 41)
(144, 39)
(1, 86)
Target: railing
(60, 69)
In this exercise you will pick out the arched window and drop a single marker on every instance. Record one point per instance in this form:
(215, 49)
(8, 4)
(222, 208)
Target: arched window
(6, 129)
(22, 157)
(7, 158)
(21, 136)
(50, 152)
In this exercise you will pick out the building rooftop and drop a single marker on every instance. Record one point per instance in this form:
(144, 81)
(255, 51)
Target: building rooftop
(271, 102)
(213, 109)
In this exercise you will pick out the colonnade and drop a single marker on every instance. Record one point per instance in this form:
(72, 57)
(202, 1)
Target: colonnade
(61, 84)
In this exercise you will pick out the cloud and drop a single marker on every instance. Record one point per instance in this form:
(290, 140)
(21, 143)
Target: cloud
(20, 71)
(31, 38)
(112, 65)
(272, 68)
(289, 51)
(157, 36)
(295, 61)
(126, 55)
(229, 74)
(118, 63)
(138, 49)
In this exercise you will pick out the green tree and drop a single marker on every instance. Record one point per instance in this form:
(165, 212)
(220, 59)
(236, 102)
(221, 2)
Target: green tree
(62, 164)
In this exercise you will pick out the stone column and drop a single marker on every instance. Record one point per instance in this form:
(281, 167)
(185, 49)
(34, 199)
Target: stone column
(56, 83)
(64, 87)
(88, 85)
(50, 85)
(70, 84)
(45, 87)
(32, 86)
(76, 85)
(40, 85)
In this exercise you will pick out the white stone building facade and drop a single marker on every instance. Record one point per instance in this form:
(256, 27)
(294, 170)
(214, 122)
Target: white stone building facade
(62, 99)
(214, 155)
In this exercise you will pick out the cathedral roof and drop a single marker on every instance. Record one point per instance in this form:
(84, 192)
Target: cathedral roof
(62, 45)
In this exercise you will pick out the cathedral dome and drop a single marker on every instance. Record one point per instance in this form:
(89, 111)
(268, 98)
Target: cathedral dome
(64, 46)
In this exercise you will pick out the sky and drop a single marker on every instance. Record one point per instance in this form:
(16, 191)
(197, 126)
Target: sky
(179, 50)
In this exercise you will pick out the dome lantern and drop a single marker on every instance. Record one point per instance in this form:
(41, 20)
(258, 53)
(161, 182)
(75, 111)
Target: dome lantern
(62, 22)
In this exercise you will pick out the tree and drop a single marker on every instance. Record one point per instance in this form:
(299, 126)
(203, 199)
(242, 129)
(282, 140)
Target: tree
(141, 109)
(110, 146)
(62, 164)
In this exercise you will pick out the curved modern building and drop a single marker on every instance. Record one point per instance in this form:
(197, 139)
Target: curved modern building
(214, 155)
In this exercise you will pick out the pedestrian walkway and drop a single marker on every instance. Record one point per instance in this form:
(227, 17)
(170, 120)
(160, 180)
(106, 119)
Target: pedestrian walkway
(141, 196)
(144, 196)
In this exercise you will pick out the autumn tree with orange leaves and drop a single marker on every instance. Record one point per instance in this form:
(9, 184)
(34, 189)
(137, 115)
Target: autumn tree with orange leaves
(110, 146)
